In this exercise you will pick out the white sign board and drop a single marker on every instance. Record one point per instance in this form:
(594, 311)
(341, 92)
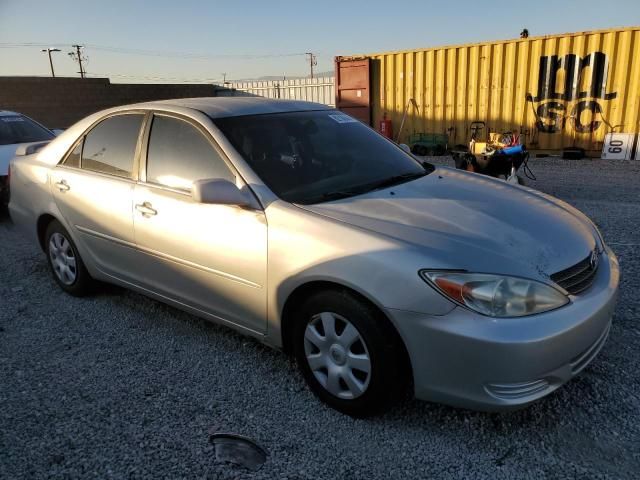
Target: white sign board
(618, 146)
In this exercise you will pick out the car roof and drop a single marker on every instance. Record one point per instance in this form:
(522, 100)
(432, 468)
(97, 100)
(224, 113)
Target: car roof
(219, 107)
(7, 113)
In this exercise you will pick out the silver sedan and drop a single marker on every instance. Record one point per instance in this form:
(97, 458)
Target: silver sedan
(296, 224)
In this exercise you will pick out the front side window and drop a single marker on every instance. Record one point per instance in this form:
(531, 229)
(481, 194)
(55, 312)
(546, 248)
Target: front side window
(316, 156)
(20, 129)
(110, 146)
(180, 154)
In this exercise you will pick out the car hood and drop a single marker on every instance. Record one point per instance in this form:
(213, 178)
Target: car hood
(460, 220)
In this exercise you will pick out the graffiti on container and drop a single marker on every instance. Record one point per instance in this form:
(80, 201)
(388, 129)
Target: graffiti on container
(571, 88)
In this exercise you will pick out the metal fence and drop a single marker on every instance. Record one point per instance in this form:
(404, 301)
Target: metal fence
(320, 90)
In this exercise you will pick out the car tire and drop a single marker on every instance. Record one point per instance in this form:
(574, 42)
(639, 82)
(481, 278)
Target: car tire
(66, 265)
(337, 338)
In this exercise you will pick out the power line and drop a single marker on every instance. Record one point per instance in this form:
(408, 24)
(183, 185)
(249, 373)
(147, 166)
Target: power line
(33, 44)
(81, 58)
(156, 53)
(191, 55)
(154, 77)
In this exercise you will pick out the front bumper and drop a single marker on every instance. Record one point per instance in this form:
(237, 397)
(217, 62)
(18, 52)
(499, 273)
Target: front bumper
(468, 360)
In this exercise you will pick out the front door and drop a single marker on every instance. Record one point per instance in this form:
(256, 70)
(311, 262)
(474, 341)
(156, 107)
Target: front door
(210, 257)
(93, 188)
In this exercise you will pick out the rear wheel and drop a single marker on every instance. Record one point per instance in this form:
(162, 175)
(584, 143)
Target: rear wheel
(66, 265)
(349, 354)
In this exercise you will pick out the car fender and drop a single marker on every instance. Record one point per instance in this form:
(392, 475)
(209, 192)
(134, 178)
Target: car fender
(305, 247)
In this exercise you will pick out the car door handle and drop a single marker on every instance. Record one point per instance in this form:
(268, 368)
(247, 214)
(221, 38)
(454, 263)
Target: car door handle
(146, 210)
(62, 186)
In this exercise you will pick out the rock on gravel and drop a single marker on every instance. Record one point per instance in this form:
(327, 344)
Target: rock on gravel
(121, 386)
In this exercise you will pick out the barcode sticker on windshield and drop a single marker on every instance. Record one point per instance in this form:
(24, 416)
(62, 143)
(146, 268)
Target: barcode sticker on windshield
(342, 118)
(12, 119)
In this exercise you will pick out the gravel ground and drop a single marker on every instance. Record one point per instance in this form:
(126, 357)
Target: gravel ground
(117, 385)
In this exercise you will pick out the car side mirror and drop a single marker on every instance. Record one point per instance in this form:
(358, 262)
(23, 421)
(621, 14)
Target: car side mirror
(405, 148)
(218, 191)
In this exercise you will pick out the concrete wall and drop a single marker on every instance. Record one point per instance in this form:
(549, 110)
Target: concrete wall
(59, 102)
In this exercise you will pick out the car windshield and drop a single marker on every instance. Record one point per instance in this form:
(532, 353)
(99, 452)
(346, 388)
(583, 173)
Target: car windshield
(317, 156)
(20, 129)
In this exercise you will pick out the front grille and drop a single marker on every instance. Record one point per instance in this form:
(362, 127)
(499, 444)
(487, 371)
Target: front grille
(580, 276)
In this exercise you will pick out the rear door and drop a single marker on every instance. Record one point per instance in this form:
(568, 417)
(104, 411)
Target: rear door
(209, 257)
(93, 188)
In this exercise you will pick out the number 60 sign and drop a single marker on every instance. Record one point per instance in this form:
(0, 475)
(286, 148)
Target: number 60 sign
(618, 146)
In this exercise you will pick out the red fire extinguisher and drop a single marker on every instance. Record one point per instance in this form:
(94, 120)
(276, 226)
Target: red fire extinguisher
(386, 128)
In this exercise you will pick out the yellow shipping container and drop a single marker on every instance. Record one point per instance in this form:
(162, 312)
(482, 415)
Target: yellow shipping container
(558, 90)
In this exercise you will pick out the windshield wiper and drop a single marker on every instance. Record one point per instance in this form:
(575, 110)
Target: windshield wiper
(368, 187)
(338, 194)
(394, 180)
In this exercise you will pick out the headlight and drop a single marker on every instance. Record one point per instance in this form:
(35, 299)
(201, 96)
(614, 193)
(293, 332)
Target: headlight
(496, 295)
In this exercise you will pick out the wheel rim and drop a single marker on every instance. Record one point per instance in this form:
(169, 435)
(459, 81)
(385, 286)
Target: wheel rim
(337, 355)
(63, 259)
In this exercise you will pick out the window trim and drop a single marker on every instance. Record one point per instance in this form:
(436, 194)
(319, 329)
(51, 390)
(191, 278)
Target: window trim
(63, 162)
(136, 155)
(144, 153)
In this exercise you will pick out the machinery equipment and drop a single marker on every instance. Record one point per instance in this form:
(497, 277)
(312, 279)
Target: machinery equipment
(500, 155)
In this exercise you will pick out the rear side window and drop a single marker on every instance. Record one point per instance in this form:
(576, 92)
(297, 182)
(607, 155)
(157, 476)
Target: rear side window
(111, 145)
(179, 154)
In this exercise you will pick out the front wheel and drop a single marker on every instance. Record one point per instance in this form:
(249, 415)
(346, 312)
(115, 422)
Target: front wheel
(349, 354)
(66, 265)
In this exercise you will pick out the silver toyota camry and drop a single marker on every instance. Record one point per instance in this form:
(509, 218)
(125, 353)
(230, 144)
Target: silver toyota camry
(298, 225)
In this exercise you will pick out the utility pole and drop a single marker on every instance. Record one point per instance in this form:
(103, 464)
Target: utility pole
(312, 62)
(49, 50)
(77, 56)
